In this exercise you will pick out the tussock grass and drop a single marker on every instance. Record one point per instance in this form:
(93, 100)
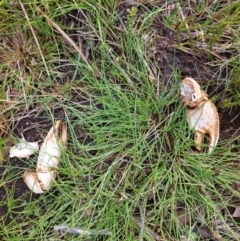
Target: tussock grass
(129, 166)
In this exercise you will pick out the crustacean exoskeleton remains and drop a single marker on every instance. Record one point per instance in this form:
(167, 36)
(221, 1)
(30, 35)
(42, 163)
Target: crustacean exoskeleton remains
(40, 181)
(202, 114)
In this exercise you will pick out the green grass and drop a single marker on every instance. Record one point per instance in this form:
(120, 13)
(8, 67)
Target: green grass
(129, 166)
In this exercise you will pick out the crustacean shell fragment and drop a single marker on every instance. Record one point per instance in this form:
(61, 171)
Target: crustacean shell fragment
(48, 160)
(23, 149)
(202, 114)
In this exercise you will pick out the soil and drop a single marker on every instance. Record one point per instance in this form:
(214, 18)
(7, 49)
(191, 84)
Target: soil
(169, 58)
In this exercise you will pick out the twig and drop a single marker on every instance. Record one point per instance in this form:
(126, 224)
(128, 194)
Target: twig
(65, 229)
(34, 35)
(141, 223)
(152, 234)
(69, 40)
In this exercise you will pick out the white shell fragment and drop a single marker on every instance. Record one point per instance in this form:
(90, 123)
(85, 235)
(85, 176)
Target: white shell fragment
(202, 114)
(30, 178)
(23, 149)
(48, 160)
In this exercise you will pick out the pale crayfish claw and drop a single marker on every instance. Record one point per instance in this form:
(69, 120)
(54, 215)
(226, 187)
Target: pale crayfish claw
(48, 160)
(202, 114)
